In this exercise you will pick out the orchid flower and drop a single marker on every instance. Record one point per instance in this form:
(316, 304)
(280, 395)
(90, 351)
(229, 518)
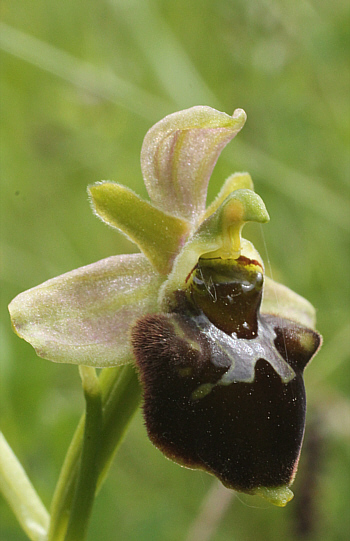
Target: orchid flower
(219, 348)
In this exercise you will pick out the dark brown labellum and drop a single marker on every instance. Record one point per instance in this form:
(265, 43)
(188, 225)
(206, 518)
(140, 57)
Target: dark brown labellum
(229, 292)
(218, 397)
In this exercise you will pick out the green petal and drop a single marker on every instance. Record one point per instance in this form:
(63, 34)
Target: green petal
(84, 316)
(156, 233)
(237, 181)
(279, 300)
(179, 154)
(219, 236)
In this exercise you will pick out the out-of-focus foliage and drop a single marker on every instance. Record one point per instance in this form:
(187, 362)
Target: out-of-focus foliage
(81, 84)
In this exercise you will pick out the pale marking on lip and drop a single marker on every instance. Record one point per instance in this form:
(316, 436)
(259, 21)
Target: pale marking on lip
(240, 355)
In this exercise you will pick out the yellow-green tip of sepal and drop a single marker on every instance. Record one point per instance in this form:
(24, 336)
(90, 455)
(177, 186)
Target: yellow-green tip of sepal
(278, 496)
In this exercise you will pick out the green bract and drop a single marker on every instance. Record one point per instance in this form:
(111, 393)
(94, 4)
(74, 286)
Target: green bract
(87, 316)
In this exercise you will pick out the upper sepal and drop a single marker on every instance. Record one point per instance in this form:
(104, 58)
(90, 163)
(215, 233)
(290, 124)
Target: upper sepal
(85, 316)
(179, 154)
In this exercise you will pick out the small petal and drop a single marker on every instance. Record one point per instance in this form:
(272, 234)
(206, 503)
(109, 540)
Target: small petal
(179, 154)
(237, 181)
(279, 300)
(157, 234)
(84, 316)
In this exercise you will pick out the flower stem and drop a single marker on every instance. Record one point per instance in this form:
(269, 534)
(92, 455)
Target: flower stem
(88, 470)
(63, 495)
(121, 400)
(120, 393)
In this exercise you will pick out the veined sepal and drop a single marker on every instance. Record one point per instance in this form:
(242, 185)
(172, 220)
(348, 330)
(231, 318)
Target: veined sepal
(85, 316)
(178, 156)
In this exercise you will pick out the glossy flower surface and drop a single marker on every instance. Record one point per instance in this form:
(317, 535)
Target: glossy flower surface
(220, 348)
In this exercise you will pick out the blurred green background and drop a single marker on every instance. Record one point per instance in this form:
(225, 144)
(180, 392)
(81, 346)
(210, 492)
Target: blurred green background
(82, 81)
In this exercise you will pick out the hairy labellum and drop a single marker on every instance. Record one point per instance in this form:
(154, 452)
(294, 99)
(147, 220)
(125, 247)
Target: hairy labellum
(223, 385)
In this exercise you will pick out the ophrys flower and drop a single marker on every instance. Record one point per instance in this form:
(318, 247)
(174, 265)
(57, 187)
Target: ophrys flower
(220, 360)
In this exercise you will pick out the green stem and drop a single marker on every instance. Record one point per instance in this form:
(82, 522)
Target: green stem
(88, 470)
(63, 495)
(121, 400)
(121, 393)
(20, 494)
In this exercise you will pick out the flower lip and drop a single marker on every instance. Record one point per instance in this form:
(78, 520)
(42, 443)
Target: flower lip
(230, 426)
